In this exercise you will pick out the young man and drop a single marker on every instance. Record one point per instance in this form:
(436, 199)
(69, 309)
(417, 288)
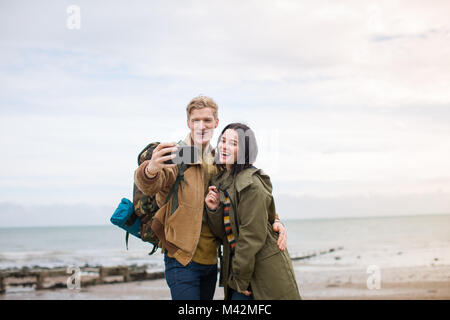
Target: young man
(190, 248)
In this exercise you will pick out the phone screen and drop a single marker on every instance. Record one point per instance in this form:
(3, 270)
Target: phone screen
(184, 154)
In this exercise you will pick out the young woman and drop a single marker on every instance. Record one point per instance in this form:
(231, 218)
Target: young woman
(240, 211)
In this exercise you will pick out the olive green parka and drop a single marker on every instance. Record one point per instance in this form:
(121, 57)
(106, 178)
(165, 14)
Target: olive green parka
(257, 263)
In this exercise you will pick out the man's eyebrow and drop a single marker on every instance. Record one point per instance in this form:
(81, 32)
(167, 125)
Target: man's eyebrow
(200, 118)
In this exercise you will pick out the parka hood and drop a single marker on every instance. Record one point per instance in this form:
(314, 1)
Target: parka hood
(245, 178)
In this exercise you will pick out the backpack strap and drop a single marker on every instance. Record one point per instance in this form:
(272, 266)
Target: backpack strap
(181, 168)
(155, 247)
(127, 235)
(180, 177)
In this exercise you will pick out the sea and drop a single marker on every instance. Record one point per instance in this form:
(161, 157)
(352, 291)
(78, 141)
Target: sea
(384, 241)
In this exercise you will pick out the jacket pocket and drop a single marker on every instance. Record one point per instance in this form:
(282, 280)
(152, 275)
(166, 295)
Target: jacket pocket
(270, 247)
(266, 252)
(183, 227)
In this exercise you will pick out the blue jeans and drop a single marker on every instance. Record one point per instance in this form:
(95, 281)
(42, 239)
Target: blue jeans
(192, 282)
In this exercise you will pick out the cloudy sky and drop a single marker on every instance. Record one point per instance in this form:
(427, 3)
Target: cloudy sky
(350, 101)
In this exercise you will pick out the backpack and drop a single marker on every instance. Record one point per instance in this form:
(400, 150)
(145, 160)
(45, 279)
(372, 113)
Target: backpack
(139, 214)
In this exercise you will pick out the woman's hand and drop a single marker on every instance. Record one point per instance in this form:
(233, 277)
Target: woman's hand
(282, 234)
(246, 292)
(212, 198)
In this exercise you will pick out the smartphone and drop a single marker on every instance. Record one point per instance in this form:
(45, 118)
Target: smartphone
(184, 154)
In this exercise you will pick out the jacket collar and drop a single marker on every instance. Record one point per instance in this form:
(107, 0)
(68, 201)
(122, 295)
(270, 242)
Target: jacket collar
(208, 154)
(244, 178)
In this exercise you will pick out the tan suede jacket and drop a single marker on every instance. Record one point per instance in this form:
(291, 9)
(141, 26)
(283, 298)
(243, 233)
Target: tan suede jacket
(182, 228)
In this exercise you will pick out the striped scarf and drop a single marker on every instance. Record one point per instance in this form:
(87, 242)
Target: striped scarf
(226, 221)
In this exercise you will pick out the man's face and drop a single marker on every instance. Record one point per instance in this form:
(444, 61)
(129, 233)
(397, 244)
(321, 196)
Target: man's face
(202, 124)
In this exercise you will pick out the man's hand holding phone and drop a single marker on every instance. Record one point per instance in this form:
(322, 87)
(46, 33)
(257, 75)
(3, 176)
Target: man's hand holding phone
(163, 152)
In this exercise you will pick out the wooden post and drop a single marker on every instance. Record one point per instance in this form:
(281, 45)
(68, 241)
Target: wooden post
(101, 274)
(40, 278)
(2, 284)
(126, 274)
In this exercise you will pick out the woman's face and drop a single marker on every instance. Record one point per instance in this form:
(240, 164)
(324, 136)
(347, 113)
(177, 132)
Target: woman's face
(228, 147)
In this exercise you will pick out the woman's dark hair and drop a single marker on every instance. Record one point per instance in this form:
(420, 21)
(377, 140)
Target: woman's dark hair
(248, 149)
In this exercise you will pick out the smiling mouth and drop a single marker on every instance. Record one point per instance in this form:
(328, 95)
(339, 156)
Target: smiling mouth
(202, 135)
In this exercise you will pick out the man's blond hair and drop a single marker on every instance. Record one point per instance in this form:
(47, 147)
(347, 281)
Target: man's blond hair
(201, 102)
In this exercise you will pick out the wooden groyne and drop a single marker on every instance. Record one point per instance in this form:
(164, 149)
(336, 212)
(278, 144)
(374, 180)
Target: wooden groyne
(312, 254)
(39, 278)
(42, 278)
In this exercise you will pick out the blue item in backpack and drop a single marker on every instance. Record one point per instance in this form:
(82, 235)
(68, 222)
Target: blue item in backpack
(125, 218)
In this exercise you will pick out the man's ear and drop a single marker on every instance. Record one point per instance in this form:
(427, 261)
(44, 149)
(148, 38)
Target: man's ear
(188, 123)
(217, 123)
